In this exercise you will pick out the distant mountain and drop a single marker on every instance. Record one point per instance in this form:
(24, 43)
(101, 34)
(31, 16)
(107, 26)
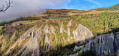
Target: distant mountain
(115, 7)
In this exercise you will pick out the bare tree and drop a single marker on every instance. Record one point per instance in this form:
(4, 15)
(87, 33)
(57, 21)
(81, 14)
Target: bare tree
(8, 5)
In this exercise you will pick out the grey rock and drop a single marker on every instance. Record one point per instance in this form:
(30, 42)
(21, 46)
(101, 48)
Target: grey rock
(52, 29)
(102, 45)
(82, 33)
(76, 47)
(116, 42)
(13, 36)
(118, 53)
(70, 23)
(46, 29)
(61, 28)
(47, 41)
(23, 37)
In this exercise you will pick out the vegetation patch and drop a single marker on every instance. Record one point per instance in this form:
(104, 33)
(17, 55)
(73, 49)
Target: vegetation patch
(87, 53)
(54, 24)
(1, 27)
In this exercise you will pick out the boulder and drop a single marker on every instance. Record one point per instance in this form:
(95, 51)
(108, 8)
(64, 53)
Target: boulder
(81, 33)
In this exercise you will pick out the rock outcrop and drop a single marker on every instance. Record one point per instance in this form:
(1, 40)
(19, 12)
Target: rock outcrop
(23, 37)
(46, 33)
(102, 45)
(82, 33)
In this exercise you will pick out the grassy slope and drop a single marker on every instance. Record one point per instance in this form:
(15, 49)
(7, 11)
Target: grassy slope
(115, 7)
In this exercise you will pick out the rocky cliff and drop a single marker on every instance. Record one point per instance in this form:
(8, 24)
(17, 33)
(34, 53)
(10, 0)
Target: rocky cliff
(66, 38)
(46, 37)
(102, 45)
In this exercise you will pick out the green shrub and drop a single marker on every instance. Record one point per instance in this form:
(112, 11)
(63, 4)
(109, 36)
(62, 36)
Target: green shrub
(44, 20)
(87, 53)
(54, 24)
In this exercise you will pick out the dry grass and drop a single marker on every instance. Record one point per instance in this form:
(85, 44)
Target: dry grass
(93, 12)
(25, 41)
(26, 22)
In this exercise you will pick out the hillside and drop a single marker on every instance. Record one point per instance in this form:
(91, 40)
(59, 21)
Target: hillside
(115, 7)
(60, 32)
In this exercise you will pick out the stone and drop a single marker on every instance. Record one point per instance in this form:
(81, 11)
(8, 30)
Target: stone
(102, 45)
(61, 28)
(46, 29)
(116, 42)
(81, 33)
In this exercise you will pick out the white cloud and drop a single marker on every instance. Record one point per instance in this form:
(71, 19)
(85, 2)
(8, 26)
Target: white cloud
(95, 2)
(93, 6)
(25, 7)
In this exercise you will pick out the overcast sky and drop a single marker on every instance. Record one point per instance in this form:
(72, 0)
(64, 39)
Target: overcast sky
(28, 7)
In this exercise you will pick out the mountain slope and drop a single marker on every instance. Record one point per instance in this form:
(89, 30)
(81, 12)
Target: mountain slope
(57, 32)
(102, 45)
(39, 40)
(115, 7)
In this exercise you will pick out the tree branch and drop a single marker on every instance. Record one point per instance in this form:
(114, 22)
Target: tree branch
(8, 5)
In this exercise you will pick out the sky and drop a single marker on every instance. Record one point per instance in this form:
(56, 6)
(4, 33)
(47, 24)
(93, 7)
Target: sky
(88, 4)
(21, 8)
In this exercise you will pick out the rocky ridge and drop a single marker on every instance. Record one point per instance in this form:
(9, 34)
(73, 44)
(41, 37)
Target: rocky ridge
(102, 45)
(45, 33)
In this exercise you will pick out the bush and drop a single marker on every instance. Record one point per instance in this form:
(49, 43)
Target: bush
(87, 53)
(54, 24)
(44, 20)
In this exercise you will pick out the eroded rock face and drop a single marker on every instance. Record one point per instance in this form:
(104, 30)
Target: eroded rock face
(116, 42)
(46, 34)
(68, 30)
(26, 34)
(102, 45)
(46, 29)
(61, 28)
(32, 45)
(52, 29)
(23, 37)
(13, 36)
(82, 33)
